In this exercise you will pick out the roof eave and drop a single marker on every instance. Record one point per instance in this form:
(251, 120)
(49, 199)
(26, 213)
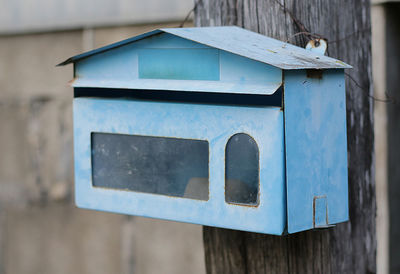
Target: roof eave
(78, 57)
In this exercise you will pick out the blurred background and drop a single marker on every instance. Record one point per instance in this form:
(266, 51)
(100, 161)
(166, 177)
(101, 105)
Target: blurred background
(40, 229)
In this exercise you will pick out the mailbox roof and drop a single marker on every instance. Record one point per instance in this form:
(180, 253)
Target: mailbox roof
(241, 42)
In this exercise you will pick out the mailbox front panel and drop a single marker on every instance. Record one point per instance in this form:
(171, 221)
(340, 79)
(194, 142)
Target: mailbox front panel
(171, 160)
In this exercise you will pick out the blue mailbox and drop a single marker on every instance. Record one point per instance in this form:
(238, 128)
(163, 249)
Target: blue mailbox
(216, 126)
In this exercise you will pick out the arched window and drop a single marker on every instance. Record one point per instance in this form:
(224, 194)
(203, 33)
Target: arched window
(242, 170)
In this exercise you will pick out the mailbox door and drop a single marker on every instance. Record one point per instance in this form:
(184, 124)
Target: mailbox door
(169, 160)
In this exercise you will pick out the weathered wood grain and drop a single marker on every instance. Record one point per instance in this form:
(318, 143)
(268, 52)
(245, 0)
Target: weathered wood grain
(349, 247)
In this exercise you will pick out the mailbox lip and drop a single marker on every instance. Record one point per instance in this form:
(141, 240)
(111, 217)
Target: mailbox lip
(238, 41)
(179, 85)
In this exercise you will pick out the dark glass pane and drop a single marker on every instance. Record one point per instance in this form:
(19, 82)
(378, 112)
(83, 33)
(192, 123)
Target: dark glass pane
(159, 165)
(241, 170)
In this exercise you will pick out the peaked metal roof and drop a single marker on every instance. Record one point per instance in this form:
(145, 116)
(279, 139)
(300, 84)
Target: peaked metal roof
(241, 42)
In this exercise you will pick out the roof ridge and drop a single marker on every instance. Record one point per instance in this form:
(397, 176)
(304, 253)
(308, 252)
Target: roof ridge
(238, 41)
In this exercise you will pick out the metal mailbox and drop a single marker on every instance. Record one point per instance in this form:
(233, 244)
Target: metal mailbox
(216, 126)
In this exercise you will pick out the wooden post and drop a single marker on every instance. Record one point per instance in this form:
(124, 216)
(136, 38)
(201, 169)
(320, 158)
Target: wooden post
(349, 247)
(393, 130)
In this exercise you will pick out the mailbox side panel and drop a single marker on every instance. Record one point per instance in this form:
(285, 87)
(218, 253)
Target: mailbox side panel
(316, 149)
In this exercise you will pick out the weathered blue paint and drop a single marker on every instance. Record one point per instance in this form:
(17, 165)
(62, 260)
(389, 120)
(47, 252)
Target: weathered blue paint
(302, 146)
(316, 146)
(119, 68)
(213, 123)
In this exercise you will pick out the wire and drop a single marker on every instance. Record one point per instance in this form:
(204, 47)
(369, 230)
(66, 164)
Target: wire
(311, 35)
(188, 14)
(350, 35)
(388, 100)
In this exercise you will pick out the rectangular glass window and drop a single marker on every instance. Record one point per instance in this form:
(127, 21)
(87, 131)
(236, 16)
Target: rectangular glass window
(158, 165)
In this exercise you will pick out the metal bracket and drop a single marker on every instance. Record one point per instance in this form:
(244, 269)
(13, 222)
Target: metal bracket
(318, 46)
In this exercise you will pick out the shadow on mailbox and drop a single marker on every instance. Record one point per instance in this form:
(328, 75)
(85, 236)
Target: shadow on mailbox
(217, 126)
